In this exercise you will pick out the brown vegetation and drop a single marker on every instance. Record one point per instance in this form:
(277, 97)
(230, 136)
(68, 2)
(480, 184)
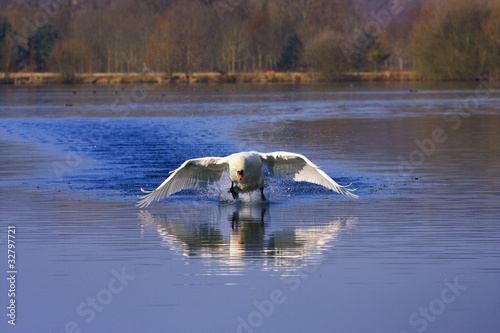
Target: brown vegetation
(238, 41)
(205, 77)
(459, 39)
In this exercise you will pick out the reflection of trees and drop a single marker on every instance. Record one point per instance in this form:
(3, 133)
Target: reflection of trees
(235, 235)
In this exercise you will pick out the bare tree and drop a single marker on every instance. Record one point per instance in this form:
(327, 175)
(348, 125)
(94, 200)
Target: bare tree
(446, 42)
(323, 53)
(234, 44)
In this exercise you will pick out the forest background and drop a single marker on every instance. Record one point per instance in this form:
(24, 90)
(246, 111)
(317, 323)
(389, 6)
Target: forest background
(434, 39)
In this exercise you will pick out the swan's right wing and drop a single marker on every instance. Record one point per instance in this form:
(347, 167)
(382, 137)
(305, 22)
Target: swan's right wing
(188, 175)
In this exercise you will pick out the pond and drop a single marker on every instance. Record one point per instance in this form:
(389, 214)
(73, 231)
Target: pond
(419, 250)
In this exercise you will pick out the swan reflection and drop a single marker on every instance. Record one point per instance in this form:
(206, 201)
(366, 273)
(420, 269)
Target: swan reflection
(232, 237)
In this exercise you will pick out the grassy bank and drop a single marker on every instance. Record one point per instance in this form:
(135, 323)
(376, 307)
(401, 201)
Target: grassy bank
(213, 78)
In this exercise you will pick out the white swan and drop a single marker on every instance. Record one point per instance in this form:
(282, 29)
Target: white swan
(245, 171)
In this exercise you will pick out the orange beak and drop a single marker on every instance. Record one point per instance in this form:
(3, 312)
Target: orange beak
(240, 176)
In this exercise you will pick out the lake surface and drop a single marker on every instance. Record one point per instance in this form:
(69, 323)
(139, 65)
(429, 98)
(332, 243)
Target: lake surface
(418, 251)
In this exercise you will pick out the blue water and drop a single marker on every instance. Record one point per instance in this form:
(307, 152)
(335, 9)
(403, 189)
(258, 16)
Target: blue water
(418, 251)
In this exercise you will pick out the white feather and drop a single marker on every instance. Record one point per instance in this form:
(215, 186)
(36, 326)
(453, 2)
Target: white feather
(188, 175)
(297, 167)
(210, 169)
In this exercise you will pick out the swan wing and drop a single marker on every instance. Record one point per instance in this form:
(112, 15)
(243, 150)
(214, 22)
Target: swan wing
(297, 167)
(188, 175)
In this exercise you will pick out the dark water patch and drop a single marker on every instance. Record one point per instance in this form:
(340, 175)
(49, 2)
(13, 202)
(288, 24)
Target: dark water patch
(126, 153)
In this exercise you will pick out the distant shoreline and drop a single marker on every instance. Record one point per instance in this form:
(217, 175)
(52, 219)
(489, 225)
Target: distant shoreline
(204, 78)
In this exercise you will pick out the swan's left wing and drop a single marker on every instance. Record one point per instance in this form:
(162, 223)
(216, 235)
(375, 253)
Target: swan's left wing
(188, 175)
(297, 167)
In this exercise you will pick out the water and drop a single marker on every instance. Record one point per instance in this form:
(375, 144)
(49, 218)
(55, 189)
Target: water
(418, 251)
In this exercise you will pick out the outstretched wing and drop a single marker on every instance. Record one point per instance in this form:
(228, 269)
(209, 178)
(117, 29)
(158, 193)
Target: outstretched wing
(188, 175)
(297, 167)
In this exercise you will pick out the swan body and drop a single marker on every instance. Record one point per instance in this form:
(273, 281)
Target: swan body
(245, 172)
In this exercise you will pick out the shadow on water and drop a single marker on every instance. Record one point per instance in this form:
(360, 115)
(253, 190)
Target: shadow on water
(232, 237)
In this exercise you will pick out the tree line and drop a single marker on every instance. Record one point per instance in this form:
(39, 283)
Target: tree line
(450, 39)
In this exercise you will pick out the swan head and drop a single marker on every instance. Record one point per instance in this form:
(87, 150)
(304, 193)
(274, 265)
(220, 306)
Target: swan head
(240, 166)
